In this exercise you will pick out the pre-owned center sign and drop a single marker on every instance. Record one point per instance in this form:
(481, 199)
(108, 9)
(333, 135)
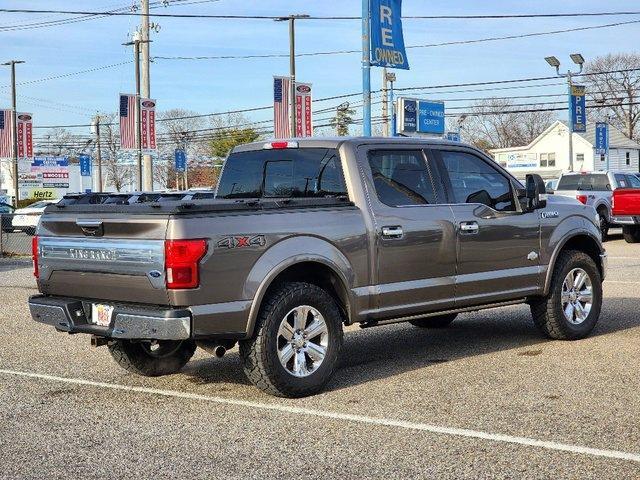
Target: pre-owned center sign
(421, 116)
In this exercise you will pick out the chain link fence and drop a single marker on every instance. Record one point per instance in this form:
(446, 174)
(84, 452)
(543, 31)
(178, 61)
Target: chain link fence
(16, 233)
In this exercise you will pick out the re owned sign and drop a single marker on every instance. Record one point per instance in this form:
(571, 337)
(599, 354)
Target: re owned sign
(387, 42)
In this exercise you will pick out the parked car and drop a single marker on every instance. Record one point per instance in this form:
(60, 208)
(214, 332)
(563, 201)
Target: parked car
(595, 189)
(551, 185)
(26, 219)
(306, 236)
(6, 212)
(626, 211)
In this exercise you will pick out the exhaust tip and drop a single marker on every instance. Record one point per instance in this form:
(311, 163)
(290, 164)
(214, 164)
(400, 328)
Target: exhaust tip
(219, 351)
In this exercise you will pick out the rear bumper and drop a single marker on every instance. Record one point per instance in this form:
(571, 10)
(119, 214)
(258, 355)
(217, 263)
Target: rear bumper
(128, 321)
(620, 220)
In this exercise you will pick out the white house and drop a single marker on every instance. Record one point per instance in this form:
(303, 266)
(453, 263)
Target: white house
(548, 154)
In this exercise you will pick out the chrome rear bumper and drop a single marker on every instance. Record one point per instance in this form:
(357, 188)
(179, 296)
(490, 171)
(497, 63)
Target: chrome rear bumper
(128, 322)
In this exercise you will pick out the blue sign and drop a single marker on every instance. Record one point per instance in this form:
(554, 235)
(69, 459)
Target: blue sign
(50, 162)
(181, 160)
(387, 41)
(602, 138)
(431, 117)
(85, 165)
(453, 136)
(578, 108)
(410, 116)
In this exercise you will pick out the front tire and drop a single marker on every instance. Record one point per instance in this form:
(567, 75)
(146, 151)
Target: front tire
(441, 321)
(631, 233)
(296, 343)
(571, 309)
(148, 359)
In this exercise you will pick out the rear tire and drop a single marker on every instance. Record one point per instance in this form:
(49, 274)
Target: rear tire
(441, 321)
(550, 313)
(631, 233)
(604, 222)
(285, 355)
(152, 360)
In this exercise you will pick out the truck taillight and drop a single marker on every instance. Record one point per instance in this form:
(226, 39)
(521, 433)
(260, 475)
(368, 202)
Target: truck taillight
(582, 198)
(34, 256)
(182, 262)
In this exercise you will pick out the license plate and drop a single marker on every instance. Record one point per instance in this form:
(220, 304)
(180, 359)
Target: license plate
(101, 314)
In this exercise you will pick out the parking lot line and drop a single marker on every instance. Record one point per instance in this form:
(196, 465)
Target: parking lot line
(386, 422)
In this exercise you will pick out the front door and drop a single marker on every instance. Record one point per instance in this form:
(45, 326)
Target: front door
(498, 244)
(415, 235)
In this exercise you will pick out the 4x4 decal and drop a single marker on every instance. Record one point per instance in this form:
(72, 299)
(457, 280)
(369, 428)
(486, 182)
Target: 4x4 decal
(242, 241)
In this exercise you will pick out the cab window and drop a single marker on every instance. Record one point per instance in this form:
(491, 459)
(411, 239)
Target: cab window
(401, 178)
(475, 181)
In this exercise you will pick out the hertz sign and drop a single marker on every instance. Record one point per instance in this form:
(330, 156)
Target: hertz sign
(387, 41)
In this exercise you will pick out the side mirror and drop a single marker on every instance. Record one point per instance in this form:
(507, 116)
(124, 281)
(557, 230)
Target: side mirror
(536, 191)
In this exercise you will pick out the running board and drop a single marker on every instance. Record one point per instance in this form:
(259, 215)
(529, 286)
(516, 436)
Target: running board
(476, 308)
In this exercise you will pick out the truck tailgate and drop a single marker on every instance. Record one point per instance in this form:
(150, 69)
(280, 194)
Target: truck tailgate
(106, 257)
(626, 202)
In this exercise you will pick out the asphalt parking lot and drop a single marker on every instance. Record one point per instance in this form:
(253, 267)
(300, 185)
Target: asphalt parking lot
(486, 398)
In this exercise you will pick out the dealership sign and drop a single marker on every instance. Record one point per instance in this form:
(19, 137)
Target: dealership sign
(421, 116)
(387, 41)
(148, 125)
(602, 138)
(578, 108)
(25, 135)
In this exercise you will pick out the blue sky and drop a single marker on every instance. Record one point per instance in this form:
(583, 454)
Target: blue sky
(219, 85)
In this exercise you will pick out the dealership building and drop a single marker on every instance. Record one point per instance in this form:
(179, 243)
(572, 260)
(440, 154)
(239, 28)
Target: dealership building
(548, 154)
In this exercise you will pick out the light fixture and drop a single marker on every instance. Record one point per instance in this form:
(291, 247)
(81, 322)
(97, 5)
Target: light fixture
(553, 61)
(577, 58)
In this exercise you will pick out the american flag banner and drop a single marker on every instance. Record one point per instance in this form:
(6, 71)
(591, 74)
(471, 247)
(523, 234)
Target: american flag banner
(148, 126)
(304, 122)
(25, 135)
(6, 134)
(281, 105)
(127, 121)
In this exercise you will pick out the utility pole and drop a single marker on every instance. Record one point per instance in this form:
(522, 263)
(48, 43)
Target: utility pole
(554, 62)
(14, 128)
(96, 124)
(366, 70)
(385, 104)
(292, 69)
(147, 162)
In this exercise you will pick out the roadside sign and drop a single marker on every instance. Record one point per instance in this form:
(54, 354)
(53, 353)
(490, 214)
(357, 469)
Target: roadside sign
(602, 138)
(387, 41)
(25, 135)
(421, 116)
(453, 136)
(85, 165)
(148, 125)
(578, 108)
(180, 160)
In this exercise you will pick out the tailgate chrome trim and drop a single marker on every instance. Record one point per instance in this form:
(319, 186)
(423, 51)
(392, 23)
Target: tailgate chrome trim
(119, 256)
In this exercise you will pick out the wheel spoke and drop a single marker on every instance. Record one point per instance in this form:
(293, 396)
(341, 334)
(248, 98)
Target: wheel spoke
(580, 313)
(564, 297)
(568, 311)
(586, 295)
(317, 327)
(286, 330)
(300, 316)
(300, 364)
(285, 354)
(579, 280)
(316, 352)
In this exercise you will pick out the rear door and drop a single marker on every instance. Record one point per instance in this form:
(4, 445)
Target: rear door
(498, 246)
(415, 234)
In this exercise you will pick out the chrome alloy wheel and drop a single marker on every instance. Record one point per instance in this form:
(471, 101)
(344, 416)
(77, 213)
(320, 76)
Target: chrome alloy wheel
(302, 341)
(577, 296)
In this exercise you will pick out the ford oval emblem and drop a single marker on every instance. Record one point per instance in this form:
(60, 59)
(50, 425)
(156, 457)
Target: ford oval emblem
(303, 88)
(148, 104)
(155, 274)
(24, 117)
(409, 107)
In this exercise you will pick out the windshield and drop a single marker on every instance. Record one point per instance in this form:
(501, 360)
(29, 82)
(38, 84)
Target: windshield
(39, 205)
(599, 182)
(292, 172)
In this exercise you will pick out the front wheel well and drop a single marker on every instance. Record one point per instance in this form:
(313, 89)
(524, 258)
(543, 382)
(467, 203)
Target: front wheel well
(586, 244)
(318, 274)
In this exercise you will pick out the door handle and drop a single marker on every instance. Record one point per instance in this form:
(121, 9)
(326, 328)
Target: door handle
(469, 228)
(394, 231)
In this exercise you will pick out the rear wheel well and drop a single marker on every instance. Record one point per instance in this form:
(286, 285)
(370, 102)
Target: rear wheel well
(586, 244)
(317, 274)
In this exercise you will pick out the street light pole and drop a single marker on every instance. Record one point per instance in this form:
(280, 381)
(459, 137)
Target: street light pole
(366, 70)
(554, 62)
(147, 162)
(98, 152)
(14, 128)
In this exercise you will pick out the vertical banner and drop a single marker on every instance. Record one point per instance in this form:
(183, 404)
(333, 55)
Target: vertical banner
(6, 137)
(602, 138)
(281, 107)
(25, 135)
(148, 125)
(578, 108)
(127, 121)
(85, 165)
(180, 160)
(304, 119)
(387, 41)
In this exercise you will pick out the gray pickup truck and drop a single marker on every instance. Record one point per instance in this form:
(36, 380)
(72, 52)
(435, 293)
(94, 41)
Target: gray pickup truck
(305, 237)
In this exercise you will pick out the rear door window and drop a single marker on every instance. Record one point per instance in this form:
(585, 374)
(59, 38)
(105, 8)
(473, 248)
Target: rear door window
(598, 182)
(634, 182)
(292, 172)
(621, 180)
(401, 177)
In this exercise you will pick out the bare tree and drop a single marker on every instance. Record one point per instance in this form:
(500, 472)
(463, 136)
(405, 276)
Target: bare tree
(60, 141)
(618, 92)
(497, 123)
(116, 172)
